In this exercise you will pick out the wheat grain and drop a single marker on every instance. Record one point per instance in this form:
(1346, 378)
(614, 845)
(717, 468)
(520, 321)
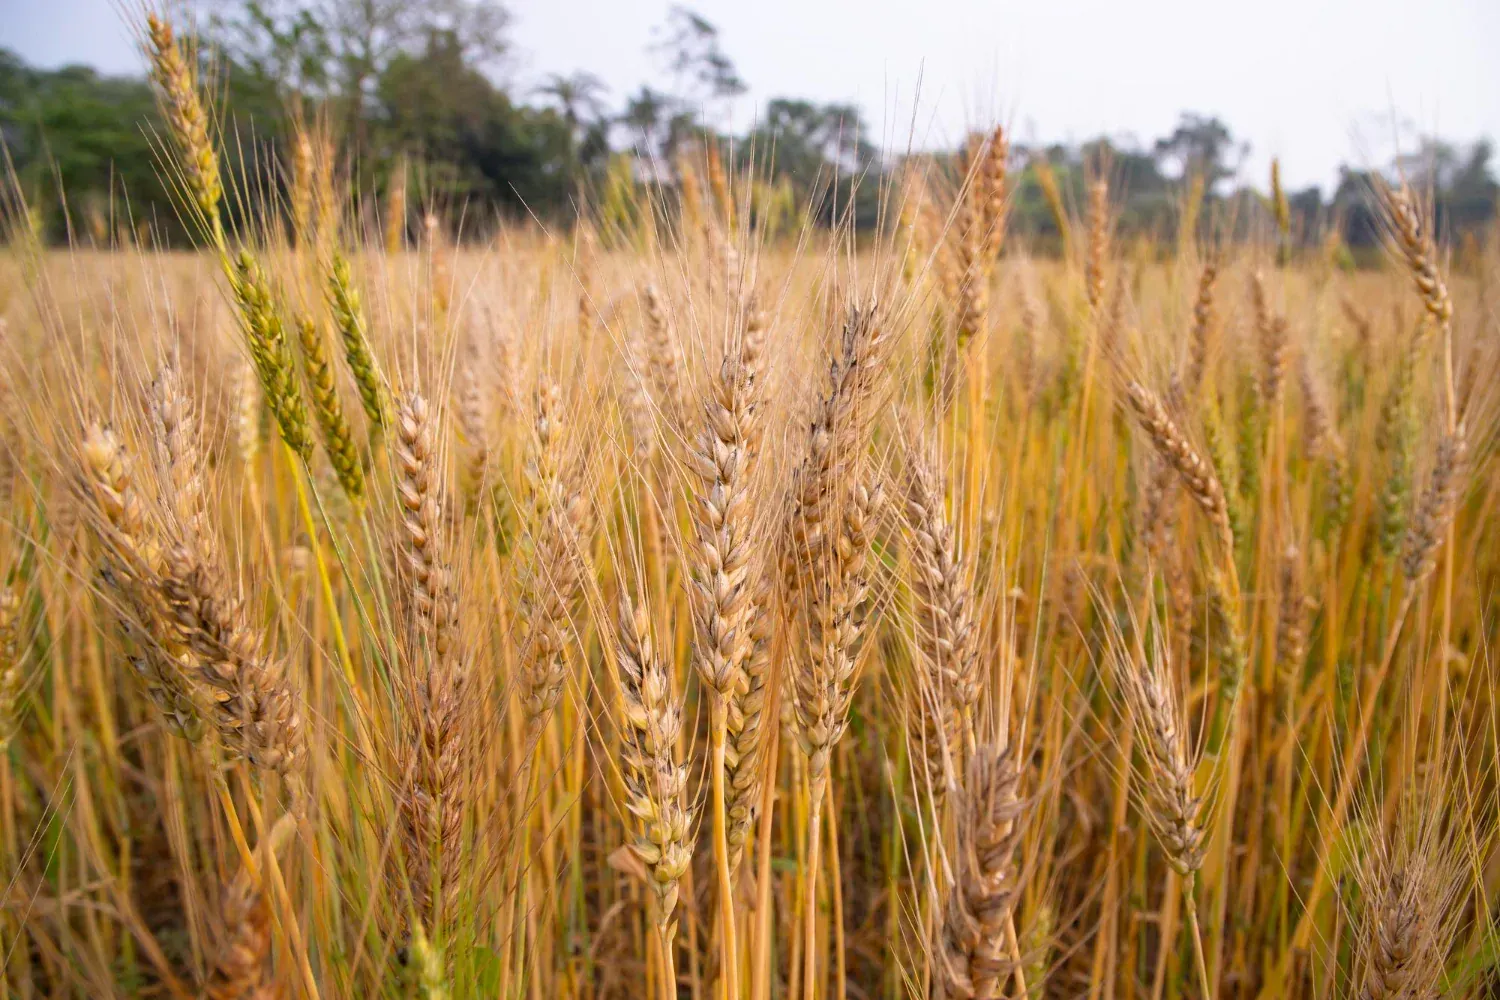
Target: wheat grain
(344, 302)
(975, 957)
(328, 409)
(949, 685)
(187, 119)
(1176, 451)
(270, 352)
(1434, 511)
(651, 718)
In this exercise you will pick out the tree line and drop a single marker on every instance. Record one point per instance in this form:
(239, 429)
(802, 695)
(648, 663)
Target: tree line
(403, 83)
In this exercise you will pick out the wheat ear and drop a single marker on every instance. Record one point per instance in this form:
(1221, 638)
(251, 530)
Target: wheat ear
(270, 352)
(178, 440)
(1203, 326)
(976, 958)
(948, 685)
(655, 780)
(240, 963)
(552, 579)
(328, 409)
(253, 706)
(11, 653)
(348, 316)
(1411, 880)
(186, 119)
(1172, 806)
(1176, 451)
(1435, 509)
(435, 749)
(831, 522)
(1098, 246)
(131, 571)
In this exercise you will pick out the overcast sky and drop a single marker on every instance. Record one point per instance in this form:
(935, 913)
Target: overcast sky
(1311, 81)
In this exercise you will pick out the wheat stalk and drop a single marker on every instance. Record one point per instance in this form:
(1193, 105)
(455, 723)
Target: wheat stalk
(1203, 325)
(949, 685)
(722, 606)
(832, 516)
(240, 963)
(1098, 245)
(1270, 328)
(12, 653)
(1417, 250)
(1175, 450)
(656, 782)
(747, 725)
(328, 410)
(252, 705)
(1410, 881)
(1434, 511)
(1173, 807)
(661, 349)
(975, 957)
(472, 411)
(132, 570)
(177, 436)
(177, 84)
(435, 749)
(348, 316)
(270, 352)
(552, 580)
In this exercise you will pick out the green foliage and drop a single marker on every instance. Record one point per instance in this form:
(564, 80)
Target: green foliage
(74, 132)
(824, 152)
(480, 146)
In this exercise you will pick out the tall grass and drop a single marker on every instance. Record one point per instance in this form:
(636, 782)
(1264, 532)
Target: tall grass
(674, 609)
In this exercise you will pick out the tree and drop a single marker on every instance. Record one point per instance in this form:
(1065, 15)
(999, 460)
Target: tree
(284, 44)
(1203, 146)
(1472, 196)
(690, 50)
(1457, 179)
(823, 150)
(577, 97)
(1351, 204)
(78, 139)
(341, 48)
(477, 146)
(644, 114)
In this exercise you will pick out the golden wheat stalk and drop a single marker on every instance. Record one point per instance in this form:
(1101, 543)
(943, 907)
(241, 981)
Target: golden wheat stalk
(948, 686)
(12, 653)
(975, 959)
(255, 709)
(1435, 509)
(177, 84)
(1203, 326)
(178, 439)
(655, 780)
(435, 746)
(1098, 245)
(131, 572)
(1412, 886)
(664, 364)
(1173, 807)
(552, 579)
(1176, 451)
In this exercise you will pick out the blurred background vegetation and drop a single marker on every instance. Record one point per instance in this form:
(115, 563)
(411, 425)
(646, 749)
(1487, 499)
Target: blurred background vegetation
(411, 88)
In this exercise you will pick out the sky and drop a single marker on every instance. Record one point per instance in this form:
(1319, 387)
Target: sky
(1313, 82)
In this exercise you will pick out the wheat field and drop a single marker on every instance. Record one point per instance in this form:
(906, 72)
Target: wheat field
(677, 607)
